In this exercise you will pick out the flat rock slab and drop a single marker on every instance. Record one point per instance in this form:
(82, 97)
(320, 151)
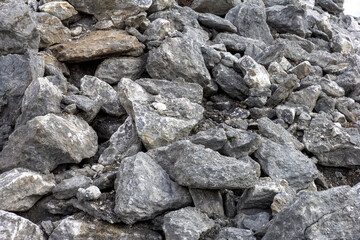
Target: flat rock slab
(97, 45)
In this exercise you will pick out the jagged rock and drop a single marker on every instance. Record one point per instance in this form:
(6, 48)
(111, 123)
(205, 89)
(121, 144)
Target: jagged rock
(178, 58)
(89, 194)
(212, 138)
(69, 187)
(229, 204)
(59, 9)
(255, 75)
(257, 28)
(18, 30)
(144, 190)
(213, 6)
(40, 98)
(159, 121)
(20, 189)
(80, 228)
(332, 144)
(60, 207)
(82, 102)
(208, 201)
(43, 143)
(302, 70)
(283, 199)
(15, 227)
(278, 134)
(112, 70)
(158, 30)
(305, 98)
(159, 5)
(123, 143)
(231, 233)
(330, 6)
(283, 91)
(286, 113)
(212, 21)
(189, 223)
(341, 44)
(324, 59)
(285, 162)
(253, 222)
(98, 44)
(345, 106)
(332, 216)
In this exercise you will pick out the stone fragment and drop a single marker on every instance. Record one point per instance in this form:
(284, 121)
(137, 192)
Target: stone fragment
(187, 223)
(20, 189)
(212, 138)
(144, 190)
(231, 233)
(305, 98)
(89, 194)
(98, 44)
(69, 187)
(47, 141)
(82, 102)
(15, 227)
(285, 162)
(158, 30)
(159, 5)
(212, 21)
(284, 89)
(331, 6)
(213, 6)
(208, 201)
(255, 222)
(286, 113)
(18, 30)
(255, 75)
(236, 43)
(302, 70)
(60, 9)
(324, 59)
(341, 44)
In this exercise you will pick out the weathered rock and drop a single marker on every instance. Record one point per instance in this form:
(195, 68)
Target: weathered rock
(97, 45)
(186, 223)
(212, 21)
(208, 201)
(253, 222)
(18, 30)
(212, 138)
(283, 91)
(285, 162)
(331, 6)
(255, 75)
(144, 190)
(213, 6)
(159, 5)
(333, 215)
(302, 70)
(305, 98)
(231, 233)
(158, 30)
(20, 189)
(15, 227)
(82, 102)
(324, 59)
(60, 9)
(43, 143)
(89, 194)
(257, 28)
(159, 121)
(69, 187)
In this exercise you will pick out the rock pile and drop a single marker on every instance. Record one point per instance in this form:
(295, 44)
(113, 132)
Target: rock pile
(164, 119)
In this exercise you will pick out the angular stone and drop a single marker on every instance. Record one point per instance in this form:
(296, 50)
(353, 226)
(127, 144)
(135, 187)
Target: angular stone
(15, 227)
(284, 89)
(212, 21)
(159, 5)
(341, 44)
(302, 70)
(60, 9)
(98, 44)
(285, 162)
(231, 233)
(236, 43)
(40, 98)
(330, 5)
(187, 223)
(211, 56)
(20, 189)
(69, 187)
(144, 190)
(255, 75)
(333, 215)
(305, 98)
(285, 113)
(159, 121)
(89, 194)
(256, 29)
(124, 142)
(43, 143)
(208, 201)
(324, 59)
(18, 30)
(212, 138)
(255, 222)
(214, 6)
(112, 70)
(158, 30)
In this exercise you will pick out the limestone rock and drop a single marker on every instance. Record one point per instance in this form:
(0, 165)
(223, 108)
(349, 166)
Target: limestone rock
(208, 201)
(89, 194)
(231, 233)
(305, 98)
(60, 9)
(69, 187)
(256, 75)
(214, 6)
(217, 23)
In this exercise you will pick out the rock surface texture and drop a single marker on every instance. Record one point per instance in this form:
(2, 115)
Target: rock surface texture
(179, 119)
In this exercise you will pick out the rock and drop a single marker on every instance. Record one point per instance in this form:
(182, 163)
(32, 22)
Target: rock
(256, 75)
(255, 222)
(159, 121)
(59, 9)
(285, 162)
(69, 187)
(20, 189)
(212, 21)
(78, 228)
(212, 138)
(82, 102)
(257, 28)
(164, 61)
(332, 144)
(231, 233)
(333, 216)
(330, 6)
(158, 30)
(305, 98)
(324, 59)
(89, 194)
(186, 223)
(341, 44)
(302, 70)
(159, 5)
(278, 134)
(144, 190)
(284, 89)
(15, 227)
(285, 113)
(208, 201)
(43, 143)
(18, 30)
(98, 44)
(211, 56)
(283, 199)
(214, 6)
(40, 98)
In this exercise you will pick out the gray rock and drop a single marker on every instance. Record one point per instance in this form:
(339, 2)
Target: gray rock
(20, 189)
(111, 70)
(40, 98)
(324, 59)
(43, 143)
(59, 9)
(257, 113)
(332, 144)
(60, 207)
(285, 113)
(278, 134)
(69, 187)
(158, 30)
(211, 56)
(187, 223)
(178, 58)
(283, 199)
(256, 29)
(208, 201)
(159, 5)
(123, 143)
(342, 44)
(82, 102)
(80, 228)
(333, 216)
(18, 30)
(231, 233)
(270, 54)
(284, 89)
(345, 106)
(302, 70)
(330, 6)
(159, 121)
(213, 6)
(305, 98)
(256, 221)
(89, 194)
(144, 190)
(15, 227)
(212, 21)
(211, 138)
(255, 75)
(285, 162)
